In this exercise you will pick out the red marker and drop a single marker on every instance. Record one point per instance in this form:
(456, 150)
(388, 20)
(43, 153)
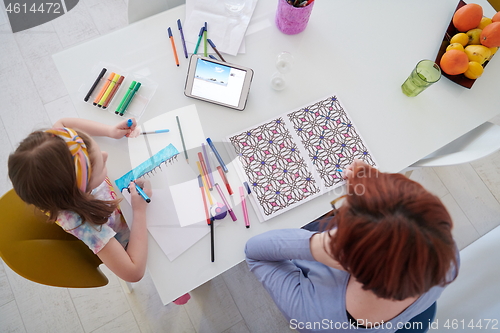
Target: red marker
(224, 179)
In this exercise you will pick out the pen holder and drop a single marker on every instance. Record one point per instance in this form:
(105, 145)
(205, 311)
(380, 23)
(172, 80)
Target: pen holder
(291, 20)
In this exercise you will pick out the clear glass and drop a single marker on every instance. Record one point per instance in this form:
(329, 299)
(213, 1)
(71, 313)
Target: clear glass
(278, 81)
(234, 6)
(284, 62)
(426, 73)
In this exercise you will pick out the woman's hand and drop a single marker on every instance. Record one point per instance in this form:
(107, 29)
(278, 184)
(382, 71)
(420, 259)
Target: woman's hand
(349, 171)
(138, 202)
(122, 129)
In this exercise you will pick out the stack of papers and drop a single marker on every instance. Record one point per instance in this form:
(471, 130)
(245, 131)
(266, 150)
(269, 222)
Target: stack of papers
(227, 24)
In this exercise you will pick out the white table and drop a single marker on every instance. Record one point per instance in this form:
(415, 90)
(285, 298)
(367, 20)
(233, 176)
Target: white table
(362, 52)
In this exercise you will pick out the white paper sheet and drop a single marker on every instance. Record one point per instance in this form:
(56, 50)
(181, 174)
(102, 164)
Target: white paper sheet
(226, 29)
(175, 216)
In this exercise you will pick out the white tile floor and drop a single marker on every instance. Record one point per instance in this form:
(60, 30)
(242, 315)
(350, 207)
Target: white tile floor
(32, 95)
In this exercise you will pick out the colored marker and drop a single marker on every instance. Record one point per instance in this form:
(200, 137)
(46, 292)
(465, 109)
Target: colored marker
(132, 85)
(221, 162)
(223, 197)
(109, 90)
(207, 162)
(113, 92)
(204, 183)
(215, 49)
(103, 90)
(174, 49)
(155, 132)
(182, 138)
(129, 98)
(205, 171)
(182, 38)
(205, 39)
(247, 187)
(142, 193)
(210, 221)
(96, 82)
(224, 179)
(244, 207)
(130, 122)
(200, 35)
(212, 57)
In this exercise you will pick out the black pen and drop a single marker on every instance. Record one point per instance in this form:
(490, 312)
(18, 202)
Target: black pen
(103, 71)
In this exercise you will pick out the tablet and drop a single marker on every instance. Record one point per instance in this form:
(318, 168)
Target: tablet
(218, 82)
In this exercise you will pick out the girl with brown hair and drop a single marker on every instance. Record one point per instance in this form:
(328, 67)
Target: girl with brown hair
(63, 172)
(385, 257)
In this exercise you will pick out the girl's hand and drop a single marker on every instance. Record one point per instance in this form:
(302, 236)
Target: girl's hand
(138, 202)
(122, 129)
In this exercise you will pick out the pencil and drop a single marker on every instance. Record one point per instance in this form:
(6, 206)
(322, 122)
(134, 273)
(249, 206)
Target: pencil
(182, 138)
(173, 46)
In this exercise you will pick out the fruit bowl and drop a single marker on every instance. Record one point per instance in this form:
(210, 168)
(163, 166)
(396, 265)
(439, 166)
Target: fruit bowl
(450, 32)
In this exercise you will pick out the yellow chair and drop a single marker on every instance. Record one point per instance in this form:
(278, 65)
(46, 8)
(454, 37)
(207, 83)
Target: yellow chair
(43, 252)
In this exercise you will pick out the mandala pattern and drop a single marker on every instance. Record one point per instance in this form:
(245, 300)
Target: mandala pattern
(277, 173)
(329, 138)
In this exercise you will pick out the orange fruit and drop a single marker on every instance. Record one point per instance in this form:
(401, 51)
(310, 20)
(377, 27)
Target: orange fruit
(474, 70)
(490, 36)
(461, 38)
(496, 17)
(467, 17)
(454, 62)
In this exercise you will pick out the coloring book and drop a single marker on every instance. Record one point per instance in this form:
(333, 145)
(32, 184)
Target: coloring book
(297, 156)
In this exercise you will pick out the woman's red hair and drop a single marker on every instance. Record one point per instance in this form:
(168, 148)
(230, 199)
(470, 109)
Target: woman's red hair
(393, 236)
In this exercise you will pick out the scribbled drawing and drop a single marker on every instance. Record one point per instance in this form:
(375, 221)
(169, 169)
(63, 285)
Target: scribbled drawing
(277, 173)
(329, 138)
(164, 157)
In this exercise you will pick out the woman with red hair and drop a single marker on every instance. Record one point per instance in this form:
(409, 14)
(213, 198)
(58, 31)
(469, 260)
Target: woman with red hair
(385, 257)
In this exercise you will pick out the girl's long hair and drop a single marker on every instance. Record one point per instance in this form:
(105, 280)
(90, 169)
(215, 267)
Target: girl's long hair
(43, 174)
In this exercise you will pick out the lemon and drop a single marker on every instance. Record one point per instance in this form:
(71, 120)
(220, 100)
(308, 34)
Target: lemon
(455, 46)
(461, 38)
(484, 22)
(474, 70)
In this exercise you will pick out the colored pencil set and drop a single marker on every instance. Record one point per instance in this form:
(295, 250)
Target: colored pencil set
(109, 89)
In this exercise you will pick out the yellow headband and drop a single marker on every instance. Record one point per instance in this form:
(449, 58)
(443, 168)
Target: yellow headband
(79, 152)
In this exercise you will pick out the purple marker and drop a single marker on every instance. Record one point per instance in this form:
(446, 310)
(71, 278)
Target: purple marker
(182, 37)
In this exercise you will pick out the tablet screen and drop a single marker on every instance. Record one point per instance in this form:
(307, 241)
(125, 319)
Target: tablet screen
(218, 82)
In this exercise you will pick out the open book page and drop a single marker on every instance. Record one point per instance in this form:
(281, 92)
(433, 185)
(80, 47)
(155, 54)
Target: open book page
(297, 156)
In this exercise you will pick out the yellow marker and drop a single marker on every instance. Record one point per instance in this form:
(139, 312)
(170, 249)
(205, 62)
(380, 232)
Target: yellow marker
(204, 183)
(109, 90)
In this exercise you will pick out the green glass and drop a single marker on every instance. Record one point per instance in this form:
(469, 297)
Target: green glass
(423, 75)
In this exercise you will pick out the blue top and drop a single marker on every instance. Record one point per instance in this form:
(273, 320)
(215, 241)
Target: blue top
(310, 294)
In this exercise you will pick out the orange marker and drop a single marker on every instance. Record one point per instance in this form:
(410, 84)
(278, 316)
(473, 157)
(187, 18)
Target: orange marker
(205, 171)
(103, 90)
(173, 46)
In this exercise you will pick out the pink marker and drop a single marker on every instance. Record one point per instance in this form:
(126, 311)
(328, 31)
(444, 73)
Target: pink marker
(229, 209)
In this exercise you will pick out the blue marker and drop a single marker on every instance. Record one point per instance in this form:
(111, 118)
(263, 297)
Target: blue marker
(130, 122)
(221, 162)
(157, 131)
(142, 193)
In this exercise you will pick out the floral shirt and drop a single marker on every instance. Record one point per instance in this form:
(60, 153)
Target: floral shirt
(94, 235)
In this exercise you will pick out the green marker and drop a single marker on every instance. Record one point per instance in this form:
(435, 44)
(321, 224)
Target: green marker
(129, 98)
(132, 85)
(205, 39)
(108, 91)
(200, 36)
